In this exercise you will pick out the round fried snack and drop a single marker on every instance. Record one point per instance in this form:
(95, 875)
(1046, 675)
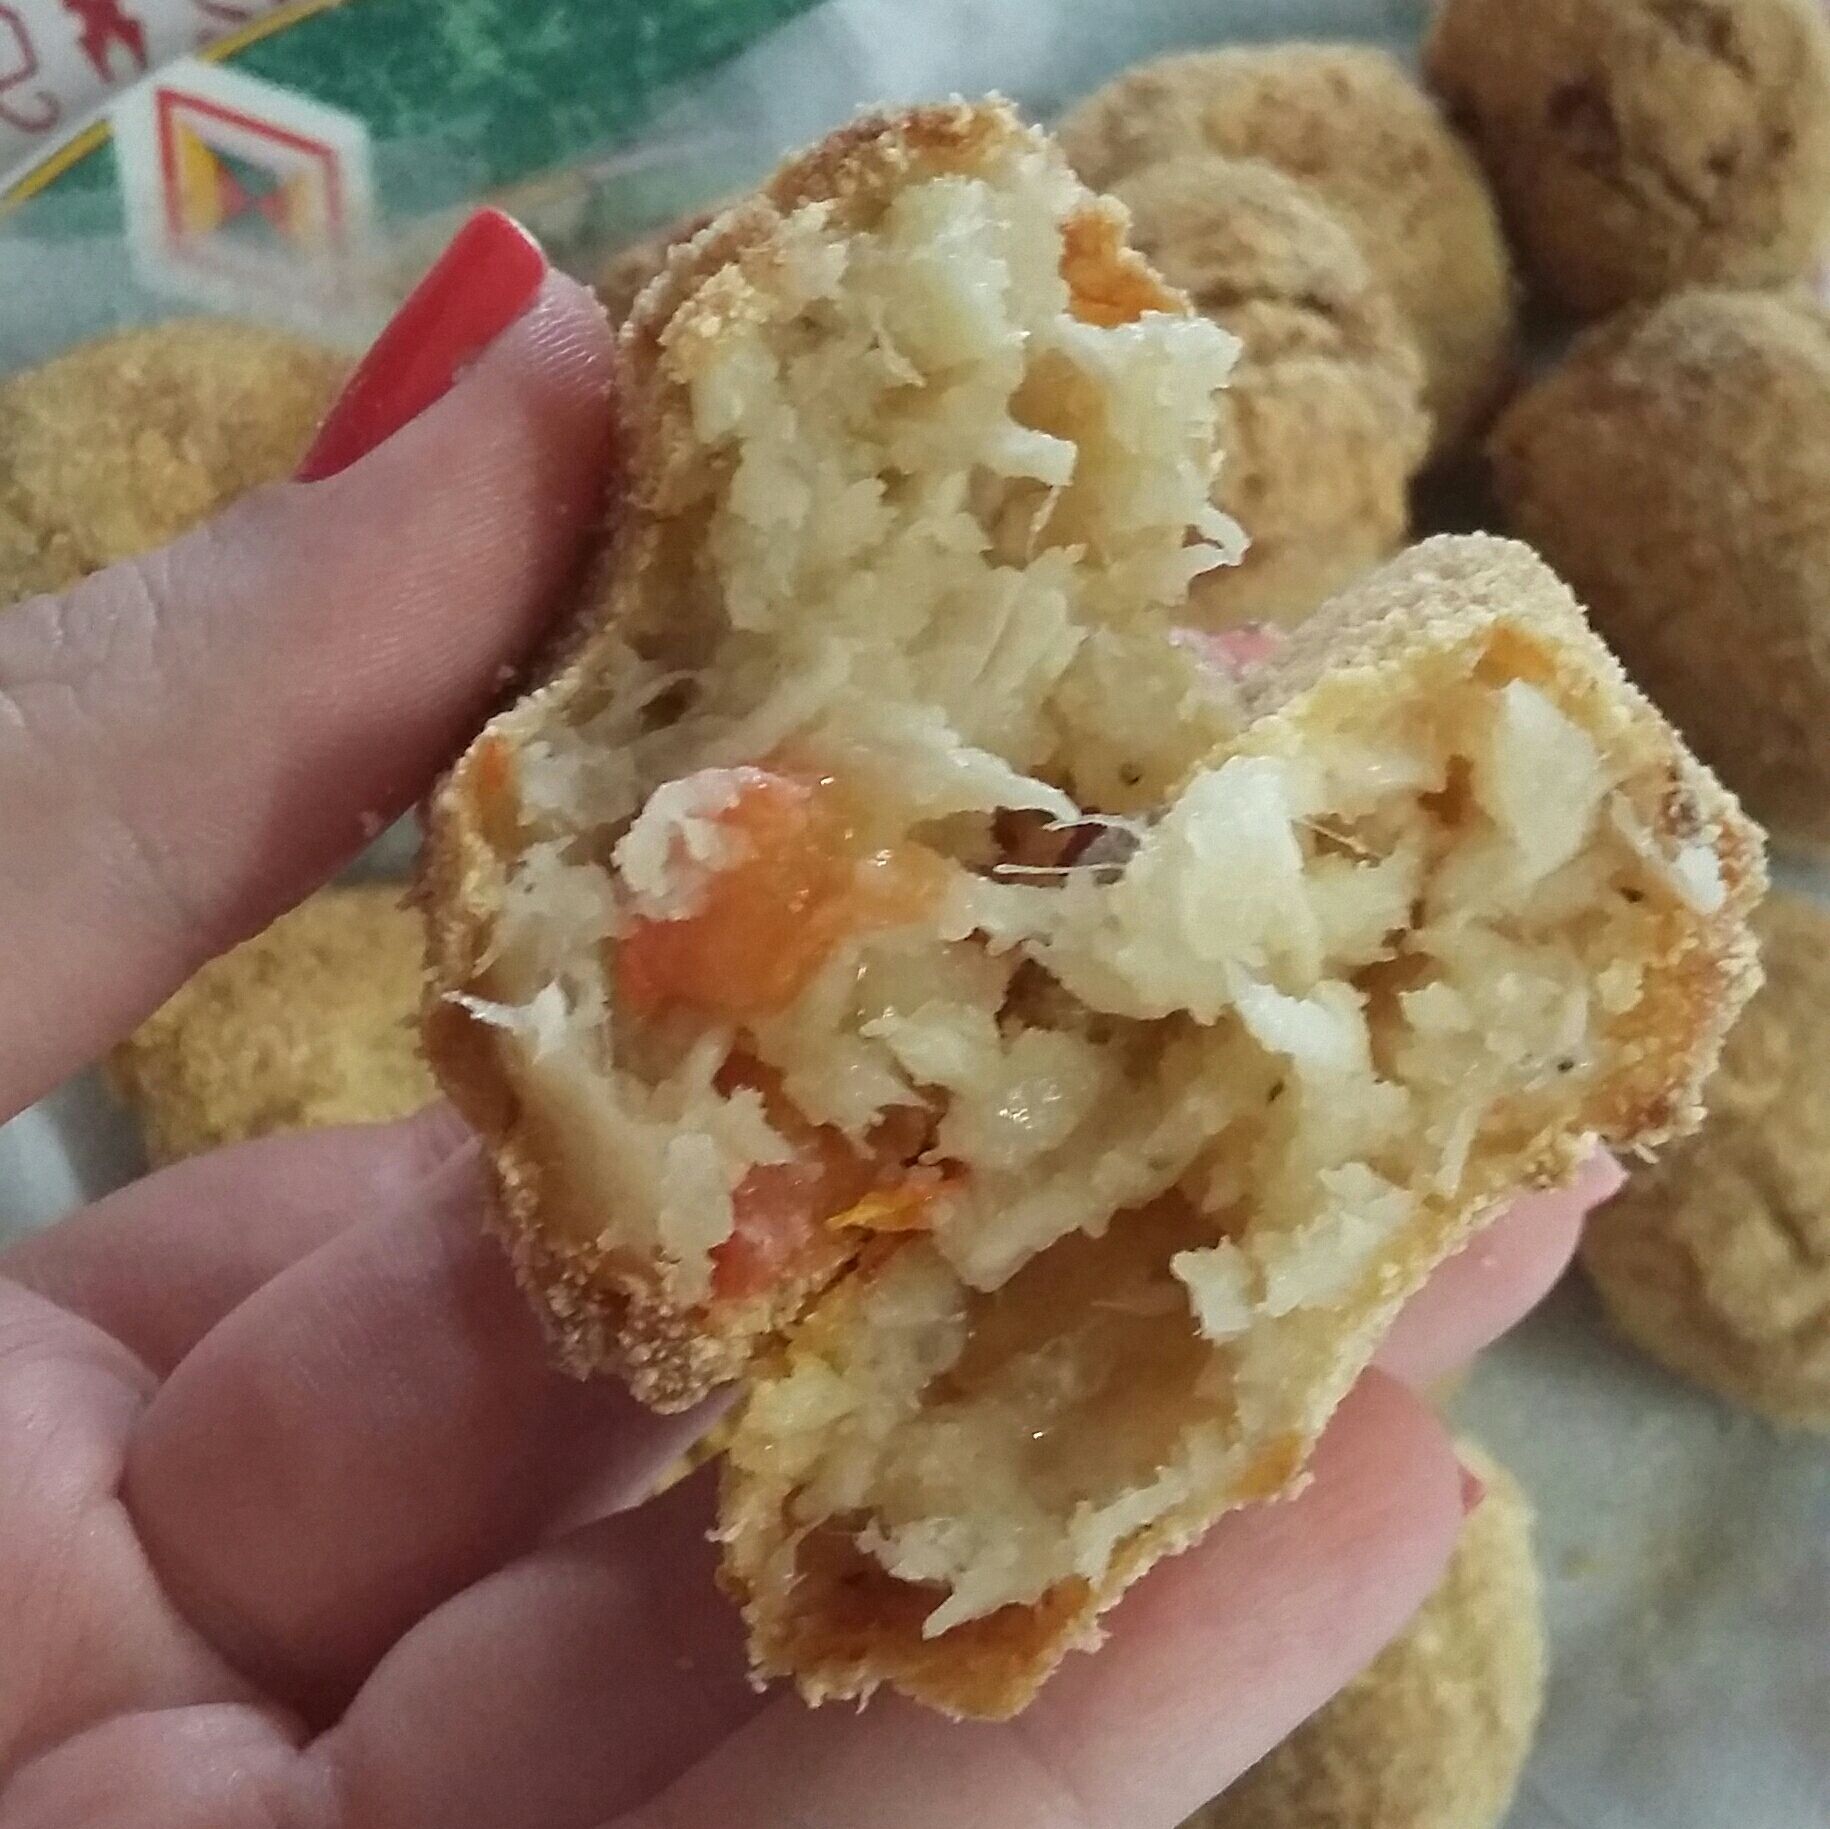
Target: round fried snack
(1640, 145)
(1327, 423)
(890, 964)
(312, 1022)
(1717, 1260)
(1674, 470)
(1434, 1733)
(121, 444)
(1348, 121)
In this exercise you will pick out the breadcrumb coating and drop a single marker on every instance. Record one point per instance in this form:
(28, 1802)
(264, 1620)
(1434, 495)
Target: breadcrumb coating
(1716, 1260)
(122, 443)
(1640, 145)
(1326, 421)
(1674, 469)
(1434, 1733)
(312, 1022)
(1348, 121)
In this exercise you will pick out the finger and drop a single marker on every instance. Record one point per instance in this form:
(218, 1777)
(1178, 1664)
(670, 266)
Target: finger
(1496, 1280)
(87, 1632)
(613, 1662)
(1212, 1660)
(158, 1264)
(371, 1431)
(209, 1766)
(190, 741)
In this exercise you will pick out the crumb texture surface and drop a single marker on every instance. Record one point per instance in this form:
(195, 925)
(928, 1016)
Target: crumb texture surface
(121, 444)
(1350, 123)
(1638, 145)
(1674, 468)
(310, 1023)
(1716, 1259)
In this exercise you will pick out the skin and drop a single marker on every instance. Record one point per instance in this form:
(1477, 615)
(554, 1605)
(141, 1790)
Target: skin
(298, 1526)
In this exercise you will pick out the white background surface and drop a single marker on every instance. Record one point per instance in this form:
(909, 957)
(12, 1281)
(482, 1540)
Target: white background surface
(1686, 1549)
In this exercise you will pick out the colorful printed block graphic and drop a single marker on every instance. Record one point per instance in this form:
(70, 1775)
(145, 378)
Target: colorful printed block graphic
(242, 194)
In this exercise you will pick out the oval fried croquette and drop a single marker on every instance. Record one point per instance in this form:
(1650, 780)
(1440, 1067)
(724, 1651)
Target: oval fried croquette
(1716, 1259)
(1350, 122)
(1674, 468)
(1327, 424)
(310, 1023)
(1640, 145)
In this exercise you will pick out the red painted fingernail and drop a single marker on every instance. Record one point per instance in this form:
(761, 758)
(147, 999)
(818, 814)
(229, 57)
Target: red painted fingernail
(1473, 1489)
(481, 283)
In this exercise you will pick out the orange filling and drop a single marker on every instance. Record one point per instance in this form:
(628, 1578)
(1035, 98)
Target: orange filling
(783, 1212)
(803, 881)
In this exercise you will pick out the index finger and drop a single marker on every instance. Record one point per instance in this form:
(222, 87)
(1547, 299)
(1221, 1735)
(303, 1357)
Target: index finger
(190, 741)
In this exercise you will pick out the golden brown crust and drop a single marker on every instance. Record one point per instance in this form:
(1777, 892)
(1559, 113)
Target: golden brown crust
(1349, 122)
(1640, 145)
(1716, 1259)
(122, 443)
(1434, 1734)
(607, 1308)
(309, 1023)
(623, 278)
(1451, 607)
(1673, 468)
(1325, 420)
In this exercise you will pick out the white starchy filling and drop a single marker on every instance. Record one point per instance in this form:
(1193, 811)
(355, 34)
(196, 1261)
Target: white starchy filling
(1188, 1089)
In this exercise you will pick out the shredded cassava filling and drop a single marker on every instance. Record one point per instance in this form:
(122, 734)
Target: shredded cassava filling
(881, 896)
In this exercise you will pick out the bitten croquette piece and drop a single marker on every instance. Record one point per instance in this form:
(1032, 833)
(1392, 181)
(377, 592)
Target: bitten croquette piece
(1350, 122)
(1641, 145)
(123, 443)
(621, 279)
(1327, 422)
(1435, 1732)
(310, 1023)
(890, 963)
(1716, 1261)
(1675, 469)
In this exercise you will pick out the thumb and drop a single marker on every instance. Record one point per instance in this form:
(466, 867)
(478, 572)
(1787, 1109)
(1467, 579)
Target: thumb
(192, 740)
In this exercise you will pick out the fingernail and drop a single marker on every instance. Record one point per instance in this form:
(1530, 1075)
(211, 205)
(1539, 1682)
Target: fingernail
(1473, 1489)
(481, 283)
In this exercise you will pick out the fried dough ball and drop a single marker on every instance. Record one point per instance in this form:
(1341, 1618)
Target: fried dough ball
(1350, 122)
(1717, 1260)
(1640, 145)
(121, 444)
(1328, 423)
(1434, 1733)
(313, 1022)
(1674, 469)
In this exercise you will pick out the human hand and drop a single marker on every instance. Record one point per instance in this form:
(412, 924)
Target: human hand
(296, 1525)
